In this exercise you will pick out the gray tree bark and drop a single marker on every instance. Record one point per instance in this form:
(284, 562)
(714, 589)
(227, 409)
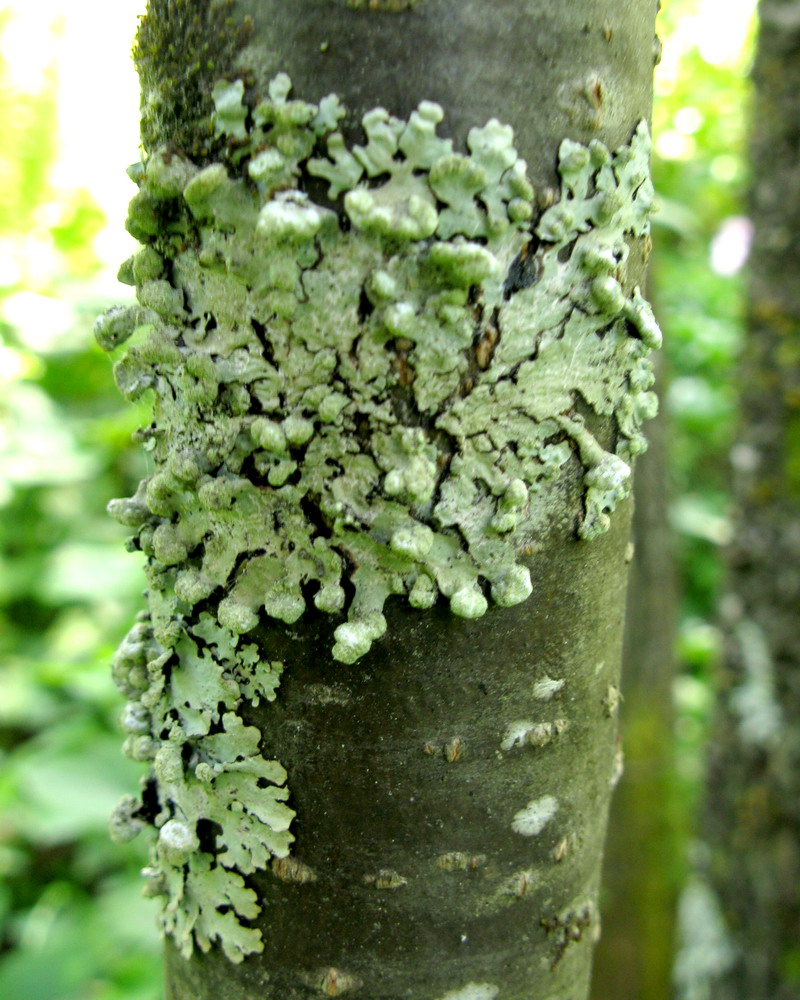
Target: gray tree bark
(752, 816)
(447, 793)
(634, 958)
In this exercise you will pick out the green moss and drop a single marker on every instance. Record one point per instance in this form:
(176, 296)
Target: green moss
(367, 403)
(181, 49)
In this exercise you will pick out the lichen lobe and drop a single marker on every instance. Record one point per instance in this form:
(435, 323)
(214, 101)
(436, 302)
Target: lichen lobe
(326, 384)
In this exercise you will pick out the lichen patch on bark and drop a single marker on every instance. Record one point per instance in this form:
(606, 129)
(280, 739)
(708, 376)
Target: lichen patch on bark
(372, 396)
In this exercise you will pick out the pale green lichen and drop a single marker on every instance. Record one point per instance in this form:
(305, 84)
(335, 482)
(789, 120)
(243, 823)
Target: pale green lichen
(530, 821)
(547, 688)
(384, 392)
(473, 991)
(534, 734)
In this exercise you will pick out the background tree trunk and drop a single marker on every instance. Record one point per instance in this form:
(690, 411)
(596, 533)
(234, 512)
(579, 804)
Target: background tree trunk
(752, 810)
(449, 791)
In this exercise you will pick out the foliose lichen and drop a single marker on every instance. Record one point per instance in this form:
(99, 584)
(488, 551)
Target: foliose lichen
(370, 397)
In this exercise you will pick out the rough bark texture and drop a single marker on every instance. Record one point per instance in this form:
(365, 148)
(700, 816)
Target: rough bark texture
(753, 807)
(635, 953)
(450, 789)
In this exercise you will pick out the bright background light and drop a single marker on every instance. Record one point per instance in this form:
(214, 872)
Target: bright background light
(80, 52)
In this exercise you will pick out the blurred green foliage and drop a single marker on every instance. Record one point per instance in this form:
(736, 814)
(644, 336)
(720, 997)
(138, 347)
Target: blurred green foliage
(73, 925)
(697, 283)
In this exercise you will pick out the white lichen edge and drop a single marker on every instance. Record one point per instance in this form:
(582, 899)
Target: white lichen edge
(473, 991)
(530, 821)
(325, 396)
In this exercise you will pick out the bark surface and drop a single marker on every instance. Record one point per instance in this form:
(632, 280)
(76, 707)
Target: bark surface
(635, 954)
(752, 817)
(582, 70)
(433, 856)
(397, 774)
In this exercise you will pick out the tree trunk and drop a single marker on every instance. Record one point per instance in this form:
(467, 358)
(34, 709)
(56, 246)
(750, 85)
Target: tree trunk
(634, 958)
(752, 814)
(397, 391)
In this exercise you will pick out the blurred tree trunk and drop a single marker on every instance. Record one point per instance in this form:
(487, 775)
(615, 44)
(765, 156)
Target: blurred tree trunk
(449, 790)
(752, 809)
(635, 954)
